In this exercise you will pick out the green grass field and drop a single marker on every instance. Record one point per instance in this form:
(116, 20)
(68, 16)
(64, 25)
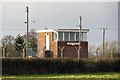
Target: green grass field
(82, 76)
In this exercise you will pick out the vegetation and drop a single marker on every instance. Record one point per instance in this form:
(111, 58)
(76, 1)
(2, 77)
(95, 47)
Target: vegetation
(13, 46)
(19, 43)
(18, 66)
(33, 40)
(7, 46)
(112, 49)
(81, 76)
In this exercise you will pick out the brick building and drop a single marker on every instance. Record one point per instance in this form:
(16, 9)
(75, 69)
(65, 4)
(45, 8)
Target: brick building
(62, 43)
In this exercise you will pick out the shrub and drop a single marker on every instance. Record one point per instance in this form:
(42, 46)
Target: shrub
(90, 66)
(104, 66)
(116, 65)
(15, 66)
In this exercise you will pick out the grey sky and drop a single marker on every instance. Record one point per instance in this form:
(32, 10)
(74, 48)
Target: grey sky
(62, 15)
(119, 22)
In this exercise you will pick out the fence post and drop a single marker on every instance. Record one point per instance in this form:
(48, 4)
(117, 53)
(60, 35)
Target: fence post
(4, 50)
(111, 55)
(97, 53)
(61, 49)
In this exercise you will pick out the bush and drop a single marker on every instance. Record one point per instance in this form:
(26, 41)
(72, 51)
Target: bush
(116, 65)
(15, 66)
(90, 66)
(105, 66)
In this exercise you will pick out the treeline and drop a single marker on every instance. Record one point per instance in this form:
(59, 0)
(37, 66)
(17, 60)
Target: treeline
(13, 46)
(22, 66)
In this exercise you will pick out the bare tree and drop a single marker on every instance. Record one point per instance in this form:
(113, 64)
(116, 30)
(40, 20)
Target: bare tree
(8, 45)
(8, 39)
(91, 51)
(111, 49)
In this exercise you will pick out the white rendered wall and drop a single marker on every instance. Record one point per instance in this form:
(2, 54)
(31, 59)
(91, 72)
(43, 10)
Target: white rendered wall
(47, 42)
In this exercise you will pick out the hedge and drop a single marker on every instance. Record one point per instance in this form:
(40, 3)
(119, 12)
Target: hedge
(15, 66)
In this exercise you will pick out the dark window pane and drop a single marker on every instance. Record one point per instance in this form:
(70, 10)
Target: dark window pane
(60, 36)
(66, 36)
(72, 36)
(84, 36)
(77, 36)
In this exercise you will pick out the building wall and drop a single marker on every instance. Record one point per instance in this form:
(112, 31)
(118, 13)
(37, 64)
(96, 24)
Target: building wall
(42, 46)
(53, 45)
(71, 50)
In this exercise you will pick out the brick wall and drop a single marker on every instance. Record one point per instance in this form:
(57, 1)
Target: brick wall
(71, 50)
(41, 44)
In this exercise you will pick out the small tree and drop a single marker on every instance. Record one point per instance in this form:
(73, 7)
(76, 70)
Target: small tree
(32, 40)
(19, 45)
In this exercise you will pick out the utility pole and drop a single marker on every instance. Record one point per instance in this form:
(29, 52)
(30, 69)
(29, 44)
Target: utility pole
(80, 25)
(27, 25)
(103, 40)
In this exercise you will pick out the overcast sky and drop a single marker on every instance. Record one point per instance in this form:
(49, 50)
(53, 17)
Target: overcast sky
(62, 15)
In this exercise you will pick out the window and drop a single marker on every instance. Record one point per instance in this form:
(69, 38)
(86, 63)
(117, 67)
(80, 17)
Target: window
(66, 36)
(60, 36)
(81, 38)
(72, 36)
(77, 36)
(84, 36)
(54, 36)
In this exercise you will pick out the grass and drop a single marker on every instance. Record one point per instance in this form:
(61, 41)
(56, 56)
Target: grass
(81, 76)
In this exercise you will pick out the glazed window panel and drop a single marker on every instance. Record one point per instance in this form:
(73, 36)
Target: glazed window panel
(72, 36)
(60, 36)
(81, 36)
(55, 36)
(84, 36)
(66, 36)
(77, 36)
